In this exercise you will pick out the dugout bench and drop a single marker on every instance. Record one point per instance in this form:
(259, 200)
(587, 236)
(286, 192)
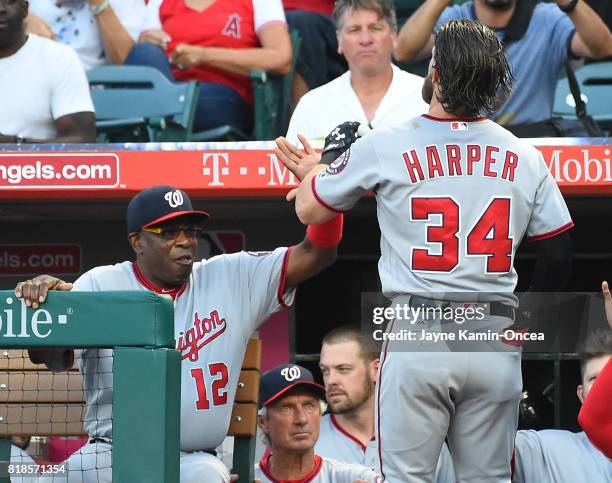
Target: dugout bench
(35, 401)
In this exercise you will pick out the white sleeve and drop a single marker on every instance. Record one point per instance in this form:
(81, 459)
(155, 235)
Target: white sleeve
(70, 87)
(345, 180)
(85, 283)
(133, 15)
(550, 215)
(267, 11)
(529, 463)
(264, 273)
(301, 122)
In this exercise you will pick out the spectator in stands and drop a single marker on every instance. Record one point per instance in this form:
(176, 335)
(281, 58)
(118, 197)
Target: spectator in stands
(291, 404)
(539, 39)
(44, 95)
(318, 60)
(349, 364)
(555, 456)
(218, 43)
(373, 91)
(101, 31)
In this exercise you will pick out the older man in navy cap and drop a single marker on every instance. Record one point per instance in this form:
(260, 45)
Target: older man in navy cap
(290, 409)
(218, 304)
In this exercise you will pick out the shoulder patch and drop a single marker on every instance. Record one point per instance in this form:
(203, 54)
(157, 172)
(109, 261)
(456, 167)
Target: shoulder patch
(340, 163)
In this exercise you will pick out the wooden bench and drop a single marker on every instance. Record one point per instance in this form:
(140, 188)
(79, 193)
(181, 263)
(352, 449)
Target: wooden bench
(34, 401)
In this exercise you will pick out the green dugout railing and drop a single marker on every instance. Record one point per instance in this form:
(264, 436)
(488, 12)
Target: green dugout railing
(146, 370)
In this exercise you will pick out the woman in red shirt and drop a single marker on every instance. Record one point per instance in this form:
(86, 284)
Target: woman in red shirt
(217, 42)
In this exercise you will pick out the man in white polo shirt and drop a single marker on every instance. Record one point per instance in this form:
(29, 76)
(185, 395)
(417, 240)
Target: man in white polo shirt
(373, 91)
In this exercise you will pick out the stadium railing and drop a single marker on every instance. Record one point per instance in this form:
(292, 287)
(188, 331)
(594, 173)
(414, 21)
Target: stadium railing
(139, 326)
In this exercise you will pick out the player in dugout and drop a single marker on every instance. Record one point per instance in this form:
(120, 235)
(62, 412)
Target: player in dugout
(290, 408)
(231, 295)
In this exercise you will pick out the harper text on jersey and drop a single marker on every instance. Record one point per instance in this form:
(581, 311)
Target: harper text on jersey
(449, 159)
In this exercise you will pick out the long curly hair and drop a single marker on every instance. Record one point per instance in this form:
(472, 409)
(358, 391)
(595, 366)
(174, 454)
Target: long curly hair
(472, 68)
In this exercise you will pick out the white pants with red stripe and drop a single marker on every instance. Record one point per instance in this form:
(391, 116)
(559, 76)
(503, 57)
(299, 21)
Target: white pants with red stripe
(428, 393)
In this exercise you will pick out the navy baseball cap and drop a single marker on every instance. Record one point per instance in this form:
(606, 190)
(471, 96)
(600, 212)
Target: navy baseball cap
(157, 204)
(281, 379)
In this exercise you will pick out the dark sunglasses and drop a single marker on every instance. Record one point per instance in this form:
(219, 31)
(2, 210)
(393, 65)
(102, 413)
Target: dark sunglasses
(172, 233)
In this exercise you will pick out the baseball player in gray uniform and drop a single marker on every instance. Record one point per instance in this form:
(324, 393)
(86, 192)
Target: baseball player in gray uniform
(218, 303)
(554, 456)
(290, 408)
(456, 193)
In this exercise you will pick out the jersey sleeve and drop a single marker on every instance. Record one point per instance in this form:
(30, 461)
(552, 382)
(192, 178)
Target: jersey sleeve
(529, 462)
(264, 274)
(70, 87)
(345, 180)
(85, 283)
(550, 216)
(267, 12)
(595, 416)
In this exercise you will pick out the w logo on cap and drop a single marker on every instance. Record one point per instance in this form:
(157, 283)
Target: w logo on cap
(174, 198)
(291, 373)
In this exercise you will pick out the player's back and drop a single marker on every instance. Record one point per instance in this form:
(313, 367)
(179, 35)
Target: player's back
(455, 198)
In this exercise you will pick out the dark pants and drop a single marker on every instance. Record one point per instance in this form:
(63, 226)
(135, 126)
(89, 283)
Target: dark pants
(218, 104)
(318, 61)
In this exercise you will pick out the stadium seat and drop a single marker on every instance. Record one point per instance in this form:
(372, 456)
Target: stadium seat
(595, 81)
(271, 96)
(138, 104)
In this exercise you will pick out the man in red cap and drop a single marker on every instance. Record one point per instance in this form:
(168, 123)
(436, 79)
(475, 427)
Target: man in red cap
(218, 304)
(290, 409)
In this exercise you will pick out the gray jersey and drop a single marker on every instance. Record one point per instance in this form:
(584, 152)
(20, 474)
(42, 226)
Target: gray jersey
(324, 471)
(337, 444)
(554, 456)
(215, 313)
(454, 198)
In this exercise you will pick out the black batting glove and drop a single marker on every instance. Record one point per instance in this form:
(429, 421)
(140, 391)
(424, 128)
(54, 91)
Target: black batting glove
(339, 140)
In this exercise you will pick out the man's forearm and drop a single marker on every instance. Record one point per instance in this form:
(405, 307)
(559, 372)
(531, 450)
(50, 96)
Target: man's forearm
(116, 40)
(417, 30)
(308, 209)
(593, 31)
(553, 265)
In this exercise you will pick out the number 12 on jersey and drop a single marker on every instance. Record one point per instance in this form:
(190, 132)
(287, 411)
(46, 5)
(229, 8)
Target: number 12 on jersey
(218, 371)
(489, 237)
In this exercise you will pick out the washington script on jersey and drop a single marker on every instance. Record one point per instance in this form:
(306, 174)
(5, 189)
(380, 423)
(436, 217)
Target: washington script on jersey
(203, 332)
(14, 320)
(446, 161)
